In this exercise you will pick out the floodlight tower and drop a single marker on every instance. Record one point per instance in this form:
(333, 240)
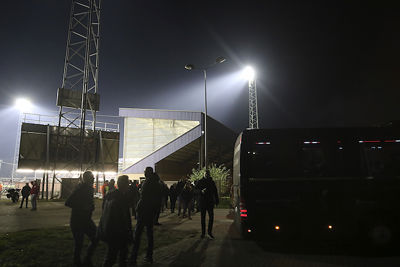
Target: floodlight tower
(253, 111)
(79, 89)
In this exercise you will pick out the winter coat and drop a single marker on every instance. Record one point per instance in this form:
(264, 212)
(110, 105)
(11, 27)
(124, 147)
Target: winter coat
(208, 192)
(26, 191)
(187, 194)
(150, 198)
(115, 223)
(82, 204)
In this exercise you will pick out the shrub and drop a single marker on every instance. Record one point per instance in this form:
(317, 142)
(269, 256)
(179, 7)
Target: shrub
(220, 174)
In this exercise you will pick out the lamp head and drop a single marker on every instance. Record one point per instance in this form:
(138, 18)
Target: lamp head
(189, 67)
(23, 105)
(249, 73)
(220, 60)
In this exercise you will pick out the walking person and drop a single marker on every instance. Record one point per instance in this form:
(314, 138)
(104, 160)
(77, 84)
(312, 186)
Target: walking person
(158, 211)
(25, 192)
(179, 189)
(104, 188)
(208, 198)
(82, 206)
(34, 194)
(133, 197)
(187, 198)
(115, 227)
(111, 185)
(164, 199)
(172, 197)
(148, 204)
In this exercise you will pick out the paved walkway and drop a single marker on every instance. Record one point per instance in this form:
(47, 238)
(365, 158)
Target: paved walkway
(227, 249)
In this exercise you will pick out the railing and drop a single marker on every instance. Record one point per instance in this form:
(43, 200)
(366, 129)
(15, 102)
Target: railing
(53, 121)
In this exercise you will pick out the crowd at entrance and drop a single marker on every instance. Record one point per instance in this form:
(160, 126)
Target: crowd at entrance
(144, 202)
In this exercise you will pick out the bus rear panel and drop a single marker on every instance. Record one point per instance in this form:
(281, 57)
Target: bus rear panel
(337, 182)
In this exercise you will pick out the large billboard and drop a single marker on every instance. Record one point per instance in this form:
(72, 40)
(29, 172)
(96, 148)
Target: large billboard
(48, 147)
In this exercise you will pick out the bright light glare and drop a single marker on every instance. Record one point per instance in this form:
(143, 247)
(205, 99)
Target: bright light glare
(277, 227)
(249, 73)
(24, 170)
(23, 105)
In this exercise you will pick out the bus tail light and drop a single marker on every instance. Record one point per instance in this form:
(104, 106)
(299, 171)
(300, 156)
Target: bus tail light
(243, 210)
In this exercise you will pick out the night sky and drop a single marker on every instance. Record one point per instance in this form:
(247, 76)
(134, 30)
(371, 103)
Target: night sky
(318, 63)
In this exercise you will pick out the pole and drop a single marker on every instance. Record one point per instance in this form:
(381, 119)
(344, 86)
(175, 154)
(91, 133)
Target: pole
(205, 118)
(43, 183)
(47, 185)
(16, 151)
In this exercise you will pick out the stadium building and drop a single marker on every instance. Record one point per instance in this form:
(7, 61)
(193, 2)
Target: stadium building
(172, 142)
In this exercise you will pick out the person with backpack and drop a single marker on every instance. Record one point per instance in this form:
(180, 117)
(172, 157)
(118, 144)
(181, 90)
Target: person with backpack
(115, 227)
(25, 192)
(147, 207)
(82, 206)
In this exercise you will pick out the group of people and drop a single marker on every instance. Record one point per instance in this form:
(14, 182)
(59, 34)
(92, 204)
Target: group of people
(122, 202)
(33, 192)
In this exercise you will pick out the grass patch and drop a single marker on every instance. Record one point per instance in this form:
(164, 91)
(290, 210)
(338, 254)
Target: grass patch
(54, 247)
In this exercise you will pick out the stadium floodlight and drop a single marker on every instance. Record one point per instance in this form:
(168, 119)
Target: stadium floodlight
(23, 105)
(249, 73)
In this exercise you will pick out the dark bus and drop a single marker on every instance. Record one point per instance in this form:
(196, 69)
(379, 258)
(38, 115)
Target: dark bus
(325, 182)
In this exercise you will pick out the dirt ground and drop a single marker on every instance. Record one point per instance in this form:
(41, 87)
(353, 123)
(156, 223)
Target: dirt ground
(227, 249)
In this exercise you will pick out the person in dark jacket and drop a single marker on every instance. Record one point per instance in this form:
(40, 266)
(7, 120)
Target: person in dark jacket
(208, 198)
(164, 199)
(133, 197)
(179, 189)
(26, 191)
(187, 198)
(172, 197)
(157, 214)
(147, 207)
(82, 205)
(196, 199)
(115, 227)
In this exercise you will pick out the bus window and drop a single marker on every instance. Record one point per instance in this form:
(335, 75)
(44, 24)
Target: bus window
(382, 159)
(272, 160)
(313, 161)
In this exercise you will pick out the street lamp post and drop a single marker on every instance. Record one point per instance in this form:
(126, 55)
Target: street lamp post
(218, 60)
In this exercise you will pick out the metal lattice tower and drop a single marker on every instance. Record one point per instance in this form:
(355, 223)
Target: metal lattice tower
(81, 65)
(253, 111)
(78, 98)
